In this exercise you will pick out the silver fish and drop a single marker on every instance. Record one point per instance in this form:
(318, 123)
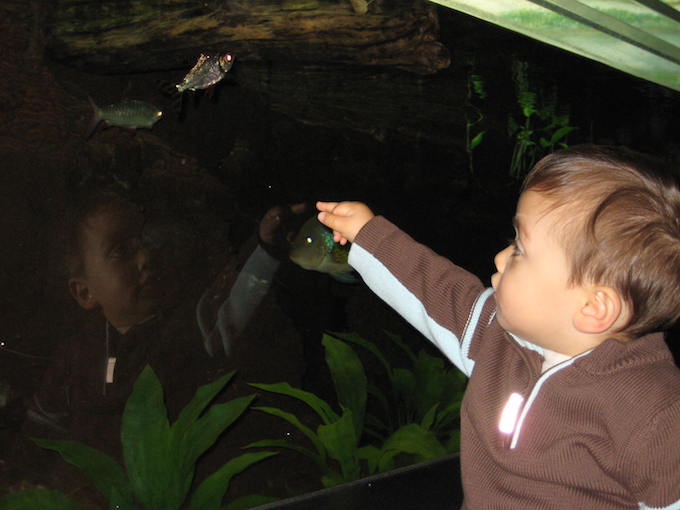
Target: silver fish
(208, 70)
(128, 113)
(313, 248)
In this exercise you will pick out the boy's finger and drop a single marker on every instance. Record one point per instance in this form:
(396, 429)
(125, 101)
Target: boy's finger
(326, 206)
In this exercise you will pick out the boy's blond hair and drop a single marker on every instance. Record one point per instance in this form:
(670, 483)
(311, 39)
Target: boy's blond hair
(621, 227)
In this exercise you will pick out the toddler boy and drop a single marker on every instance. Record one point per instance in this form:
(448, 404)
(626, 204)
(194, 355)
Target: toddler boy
(573, 399)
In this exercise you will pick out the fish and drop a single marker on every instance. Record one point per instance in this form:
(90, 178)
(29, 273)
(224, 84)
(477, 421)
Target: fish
(208, 70)
(128, 113)
(313, 249)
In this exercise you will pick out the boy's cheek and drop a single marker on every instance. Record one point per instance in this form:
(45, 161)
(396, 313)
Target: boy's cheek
(495, 279)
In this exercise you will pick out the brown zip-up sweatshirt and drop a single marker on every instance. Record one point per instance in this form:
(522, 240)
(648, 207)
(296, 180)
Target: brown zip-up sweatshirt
(598, 431)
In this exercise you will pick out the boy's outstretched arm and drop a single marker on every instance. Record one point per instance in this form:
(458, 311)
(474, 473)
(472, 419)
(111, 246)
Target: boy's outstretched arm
(345, 218)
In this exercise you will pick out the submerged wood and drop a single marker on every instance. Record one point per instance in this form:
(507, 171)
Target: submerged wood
(385, 104)
(140, 35)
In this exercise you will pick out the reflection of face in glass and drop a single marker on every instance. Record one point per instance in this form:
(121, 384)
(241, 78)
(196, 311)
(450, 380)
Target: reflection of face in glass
(117, 275)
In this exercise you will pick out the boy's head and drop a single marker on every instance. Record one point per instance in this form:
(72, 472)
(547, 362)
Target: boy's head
(617, 219)
(109, 267)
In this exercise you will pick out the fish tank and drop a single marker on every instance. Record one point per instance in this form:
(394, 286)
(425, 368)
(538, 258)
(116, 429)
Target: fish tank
(173, 311)
(638, 37)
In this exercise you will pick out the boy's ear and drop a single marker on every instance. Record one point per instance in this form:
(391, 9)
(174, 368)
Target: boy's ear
(602, 310)
(81, 293)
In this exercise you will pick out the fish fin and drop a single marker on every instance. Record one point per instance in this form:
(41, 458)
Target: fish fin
(177, 104)
(96, 118)
(344, 277)
(209, 92)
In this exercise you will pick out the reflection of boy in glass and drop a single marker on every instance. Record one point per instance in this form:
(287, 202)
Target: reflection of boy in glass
(142, 322)
(113, 271)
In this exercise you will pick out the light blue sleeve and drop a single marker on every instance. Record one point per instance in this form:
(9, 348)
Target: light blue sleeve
(248, 291)
(381, 281)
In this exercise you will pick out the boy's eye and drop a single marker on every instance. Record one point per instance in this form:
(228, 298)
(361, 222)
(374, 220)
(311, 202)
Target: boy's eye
(125, 248)
(515, 247)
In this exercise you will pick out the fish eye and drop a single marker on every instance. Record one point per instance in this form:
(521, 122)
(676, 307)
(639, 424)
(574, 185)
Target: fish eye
(309, 239)
(228, 57)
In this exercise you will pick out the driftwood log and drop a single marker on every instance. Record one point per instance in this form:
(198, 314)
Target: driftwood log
(114, 36)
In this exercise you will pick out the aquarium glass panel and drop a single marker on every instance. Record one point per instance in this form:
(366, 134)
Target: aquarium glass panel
(639, 37)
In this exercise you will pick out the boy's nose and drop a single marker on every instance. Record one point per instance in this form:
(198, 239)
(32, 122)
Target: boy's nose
(143, 257)
(501, 258)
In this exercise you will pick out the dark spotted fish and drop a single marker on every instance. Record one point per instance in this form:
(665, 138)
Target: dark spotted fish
(208, 70)
(313, 248)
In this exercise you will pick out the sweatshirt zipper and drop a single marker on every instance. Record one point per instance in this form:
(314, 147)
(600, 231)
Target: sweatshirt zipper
(517, 408)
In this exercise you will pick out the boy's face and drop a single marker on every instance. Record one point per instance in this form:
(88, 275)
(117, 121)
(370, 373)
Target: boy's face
(534, 298)
(117, 276)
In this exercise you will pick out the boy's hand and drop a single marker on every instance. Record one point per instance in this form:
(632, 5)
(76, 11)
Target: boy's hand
(345, 218)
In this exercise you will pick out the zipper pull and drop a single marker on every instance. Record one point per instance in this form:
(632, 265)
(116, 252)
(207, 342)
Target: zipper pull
(509, 416)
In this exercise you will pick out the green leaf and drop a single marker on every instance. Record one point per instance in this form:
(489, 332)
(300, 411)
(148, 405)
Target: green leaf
(561, 133)
(203, 434)
(118, 502)
(428, 419)
(209, 494)
(349, 379)
(38, 499)
(293, 420)
(477, 140)
(147, 448)
(371, 455)
(341, 442)
(204, 395)
(402, 345)
(281, 443)
(414, 439)
(369, 346)
(100, 469)
(318, 405)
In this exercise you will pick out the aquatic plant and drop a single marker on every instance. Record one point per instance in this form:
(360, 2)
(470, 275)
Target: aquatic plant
(542, 127)
(160, 457)
(429, 393)
(339, 447)
(473, 115)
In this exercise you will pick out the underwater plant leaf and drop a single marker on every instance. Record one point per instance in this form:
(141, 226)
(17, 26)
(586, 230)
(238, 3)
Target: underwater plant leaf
(251, 501)
(38, 499)
(386, 461)
(147, 448)
(208, 495)
(204, 395)
(402, 345)
(281, 443)
(203, 434)
(453, 443)
(369, 346)
(349, 379)
(118, 502)
(320, 406)
(428, 418)
(561, 133)
(416, 440)
(372, 456)
(405, 386)
(379, 396)
(293, 420)
(106, 474)
(341, 442)
(477, 139)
